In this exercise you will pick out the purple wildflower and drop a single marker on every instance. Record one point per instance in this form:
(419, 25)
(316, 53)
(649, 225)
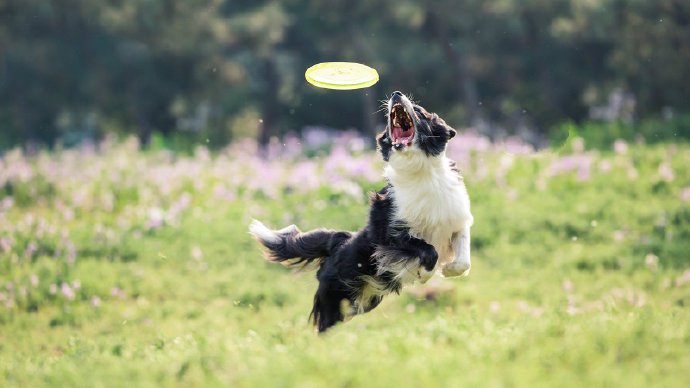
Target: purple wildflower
(67, 291)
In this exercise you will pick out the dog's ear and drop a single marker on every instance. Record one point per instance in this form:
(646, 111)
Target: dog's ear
(384, 144)
(441, 126)
(383, 139)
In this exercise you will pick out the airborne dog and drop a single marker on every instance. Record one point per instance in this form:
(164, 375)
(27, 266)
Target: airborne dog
(418, 223)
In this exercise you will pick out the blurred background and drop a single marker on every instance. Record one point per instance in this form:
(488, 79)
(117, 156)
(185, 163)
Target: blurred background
(212, 71)
(131, 167)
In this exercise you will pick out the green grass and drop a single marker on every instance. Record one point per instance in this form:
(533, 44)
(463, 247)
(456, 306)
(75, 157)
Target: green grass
(575, 281)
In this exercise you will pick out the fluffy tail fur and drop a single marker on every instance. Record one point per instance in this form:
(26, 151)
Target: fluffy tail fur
(290, 243)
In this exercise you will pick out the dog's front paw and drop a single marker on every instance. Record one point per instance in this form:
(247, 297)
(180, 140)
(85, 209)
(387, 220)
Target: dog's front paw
(428, 258)
(456, 268)
(423, 275)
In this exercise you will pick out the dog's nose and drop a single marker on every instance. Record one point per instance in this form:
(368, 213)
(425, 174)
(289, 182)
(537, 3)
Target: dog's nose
(396, 94)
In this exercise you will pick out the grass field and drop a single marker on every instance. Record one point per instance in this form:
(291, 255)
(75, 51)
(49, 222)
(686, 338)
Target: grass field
(125, 267)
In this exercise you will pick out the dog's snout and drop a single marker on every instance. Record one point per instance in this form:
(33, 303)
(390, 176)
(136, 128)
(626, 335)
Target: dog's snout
(396, 96)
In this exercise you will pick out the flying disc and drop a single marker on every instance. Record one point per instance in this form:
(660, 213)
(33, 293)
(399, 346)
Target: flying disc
(341, 75)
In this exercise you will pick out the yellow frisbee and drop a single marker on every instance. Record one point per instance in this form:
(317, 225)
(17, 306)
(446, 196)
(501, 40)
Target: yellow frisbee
(341, 75)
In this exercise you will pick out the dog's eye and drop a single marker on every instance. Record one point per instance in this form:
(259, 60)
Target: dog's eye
(421, 114)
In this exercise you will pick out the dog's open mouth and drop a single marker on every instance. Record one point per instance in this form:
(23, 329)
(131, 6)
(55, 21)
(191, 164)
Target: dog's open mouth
(402, 127)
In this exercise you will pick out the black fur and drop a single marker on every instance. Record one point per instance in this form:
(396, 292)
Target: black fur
(348, 261)
(346, 257)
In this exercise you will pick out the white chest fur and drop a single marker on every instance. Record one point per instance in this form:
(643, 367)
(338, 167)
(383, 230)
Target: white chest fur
(430, 197)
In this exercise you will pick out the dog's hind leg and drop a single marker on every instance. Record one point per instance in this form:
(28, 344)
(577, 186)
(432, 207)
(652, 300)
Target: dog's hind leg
(330, 307)
(461, 264)
(332, 302)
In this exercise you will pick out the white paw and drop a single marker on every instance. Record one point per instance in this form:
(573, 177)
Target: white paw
(456, 268)
(424, 275)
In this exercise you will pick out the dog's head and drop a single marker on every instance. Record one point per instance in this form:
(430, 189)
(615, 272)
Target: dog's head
(411, 127)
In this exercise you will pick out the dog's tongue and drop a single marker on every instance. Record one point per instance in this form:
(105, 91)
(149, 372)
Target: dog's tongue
(400, 136)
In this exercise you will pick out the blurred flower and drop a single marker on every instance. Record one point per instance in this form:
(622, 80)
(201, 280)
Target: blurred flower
(6, 244)
(107, 201)
(464, 144)
(579, 163)
(222, 192)
(633, 297)
(578, 145)
(197, 254)
(316, 137)
(494, 307)
(34, 280)
(620, 147)
(178, 206)
(356, 144)
(96, 301)
(117, 292)
(651, 261)
(71, 256)
(31, 248)
(67, 291)
(156, 218)
(6, 203)
(571, 308)
(683, 279)
(304, 176)
(515, 146)
(666, 172)
(583, 172)
(349, 188)
(525, 307)
(504, 164)
(605, 166)
(619, 235)
(685, 194)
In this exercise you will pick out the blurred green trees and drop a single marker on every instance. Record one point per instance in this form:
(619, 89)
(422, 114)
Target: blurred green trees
(215, 69)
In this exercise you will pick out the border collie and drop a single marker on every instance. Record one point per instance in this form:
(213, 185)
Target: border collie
(419, 222)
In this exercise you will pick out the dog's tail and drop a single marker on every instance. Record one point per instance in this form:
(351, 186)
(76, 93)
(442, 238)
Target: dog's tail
(290, 243)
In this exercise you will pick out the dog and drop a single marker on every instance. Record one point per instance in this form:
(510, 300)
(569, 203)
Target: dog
(418, 223)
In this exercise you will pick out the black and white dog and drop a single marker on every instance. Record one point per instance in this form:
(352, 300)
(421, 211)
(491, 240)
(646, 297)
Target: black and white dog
(419, 222)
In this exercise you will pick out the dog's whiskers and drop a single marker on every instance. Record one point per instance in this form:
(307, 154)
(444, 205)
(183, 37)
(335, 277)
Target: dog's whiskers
(381, 109)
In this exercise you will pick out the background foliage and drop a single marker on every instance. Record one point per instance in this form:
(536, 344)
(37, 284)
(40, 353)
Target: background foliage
(222, 69)
(124, 252)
